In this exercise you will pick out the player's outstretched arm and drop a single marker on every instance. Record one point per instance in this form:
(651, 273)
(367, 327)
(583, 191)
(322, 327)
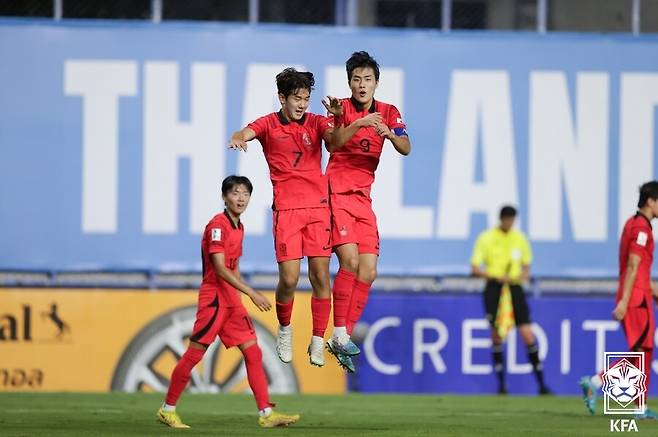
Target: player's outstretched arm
(234, 278)
(239, 139)
(632, 268)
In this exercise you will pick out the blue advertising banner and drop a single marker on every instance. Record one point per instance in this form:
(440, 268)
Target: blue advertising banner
(441, 344)
(113, 140)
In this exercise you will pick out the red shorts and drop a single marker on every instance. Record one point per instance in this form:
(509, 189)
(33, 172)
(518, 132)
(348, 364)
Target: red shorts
(232, 324)
(354, 221)
(301, 232)
(639, 326)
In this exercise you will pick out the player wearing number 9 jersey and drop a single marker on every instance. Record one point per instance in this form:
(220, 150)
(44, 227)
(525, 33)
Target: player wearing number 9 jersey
(292, 144)
(362, 124)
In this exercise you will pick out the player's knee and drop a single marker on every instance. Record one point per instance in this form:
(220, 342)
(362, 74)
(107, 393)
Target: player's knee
(368, 274)
(252, 352)
(319, 280)
(288, 282)
(349, 263)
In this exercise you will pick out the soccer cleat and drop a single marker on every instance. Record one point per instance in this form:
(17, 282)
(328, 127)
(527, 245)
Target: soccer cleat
(545, 391)
(170, 418)
(344, 361)
(316, 352)
(284, 344)
(275, 419)
(502, 390)
(348, 348)
(589, 394)
(648, 415)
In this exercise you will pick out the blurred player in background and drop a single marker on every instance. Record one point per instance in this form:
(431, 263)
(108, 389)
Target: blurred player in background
(292, 144)
(634, 304)
(361, 124)
(506, 256)
(220, 311)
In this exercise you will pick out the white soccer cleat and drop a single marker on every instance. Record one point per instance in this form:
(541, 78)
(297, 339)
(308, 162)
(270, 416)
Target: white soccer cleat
(316, 351)
(284, 343)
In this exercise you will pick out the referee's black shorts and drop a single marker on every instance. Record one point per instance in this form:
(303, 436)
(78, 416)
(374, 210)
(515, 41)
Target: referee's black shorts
(492, 295)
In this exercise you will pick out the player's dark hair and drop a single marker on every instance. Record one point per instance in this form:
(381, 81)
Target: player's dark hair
(361, 60)
(648, 191)
(289, 81)
(231, 181)
(507, 211)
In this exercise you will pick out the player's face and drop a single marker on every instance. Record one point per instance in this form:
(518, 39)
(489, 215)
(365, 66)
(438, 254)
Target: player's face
(506, 223)
(363, 85)
(237, 199)
(296, 104)
(653, 204)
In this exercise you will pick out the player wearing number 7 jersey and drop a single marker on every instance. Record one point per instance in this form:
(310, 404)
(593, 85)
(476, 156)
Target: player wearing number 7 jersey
(292, 144)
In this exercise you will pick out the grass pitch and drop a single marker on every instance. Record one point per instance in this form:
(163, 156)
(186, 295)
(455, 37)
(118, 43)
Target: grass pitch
(122, 414)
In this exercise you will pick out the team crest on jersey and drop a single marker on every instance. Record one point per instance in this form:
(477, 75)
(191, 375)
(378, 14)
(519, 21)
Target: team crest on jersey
(216, 234)
(343, 231)
(306, 139)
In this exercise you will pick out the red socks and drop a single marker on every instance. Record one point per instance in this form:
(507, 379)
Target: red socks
(181, 374)
(357, 304)
(320, 308)
(342, 291)
(253, 360)
(284, 312)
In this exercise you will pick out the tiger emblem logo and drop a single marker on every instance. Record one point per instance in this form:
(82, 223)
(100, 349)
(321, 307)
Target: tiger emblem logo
(624, 382)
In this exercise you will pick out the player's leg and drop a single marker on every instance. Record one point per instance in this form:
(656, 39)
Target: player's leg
(285, 297)
(318, 274)
(365, 277)
(639, 325)
(286, 228)
(366, 227)
(491, 297)
(523, 324)
(239, 331)
(209, 319)
(316, 246)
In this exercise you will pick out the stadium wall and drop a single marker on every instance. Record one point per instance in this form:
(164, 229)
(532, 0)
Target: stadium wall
(112, 139)
(95, 340)
(129, 340)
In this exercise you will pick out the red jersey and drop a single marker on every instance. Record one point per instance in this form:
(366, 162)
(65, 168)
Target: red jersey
(222, 236)
(352, 167)
(293, 151)
(636, 238)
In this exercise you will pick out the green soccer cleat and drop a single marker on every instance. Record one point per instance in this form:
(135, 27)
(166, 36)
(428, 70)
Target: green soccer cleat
(344, 361)
(170, 418)
(275, 419)
(589, 394)
(348, 348)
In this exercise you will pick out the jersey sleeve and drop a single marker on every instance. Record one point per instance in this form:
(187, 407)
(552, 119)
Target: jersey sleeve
(324, 124)
(638, 241)
(259, 126)
(217, 235)
(477, 258)
(526, 252)
(395, 123)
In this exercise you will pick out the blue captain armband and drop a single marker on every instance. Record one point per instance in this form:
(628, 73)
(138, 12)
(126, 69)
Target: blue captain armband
(399, 131)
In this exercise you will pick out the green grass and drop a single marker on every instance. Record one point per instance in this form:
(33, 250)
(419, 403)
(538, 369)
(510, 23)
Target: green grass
(122, 414)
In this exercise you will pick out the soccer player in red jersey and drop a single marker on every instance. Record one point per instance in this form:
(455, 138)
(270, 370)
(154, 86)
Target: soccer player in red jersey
(361, 124)
(634, 305)
(220, 312)
(292, 144)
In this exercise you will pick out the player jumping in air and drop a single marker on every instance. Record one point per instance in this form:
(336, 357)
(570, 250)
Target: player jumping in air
(220, 311)
(292, 144)
(361, 126)
(634, 304)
